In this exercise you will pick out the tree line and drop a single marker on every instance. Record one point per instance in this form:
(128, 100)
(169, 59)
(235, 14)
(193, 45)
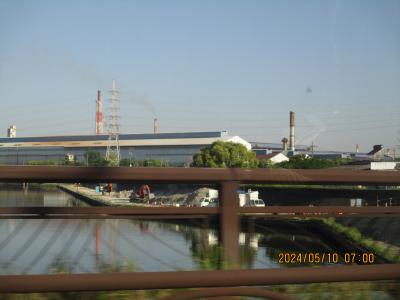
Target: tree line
(218, 155)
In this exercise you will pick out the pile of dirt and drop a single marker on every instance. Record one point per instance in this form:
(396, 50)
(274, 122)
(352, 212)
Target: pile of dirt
(183, 196)
(195, 196)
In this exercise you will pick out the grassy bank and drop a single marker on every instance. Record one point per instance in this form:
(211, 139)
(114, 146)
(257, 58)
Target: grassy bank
(388, 251)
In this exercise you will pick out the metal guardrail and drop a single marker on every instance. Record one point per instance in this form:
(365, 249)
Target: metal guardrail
(195, 175)
(229, 212)
(194, 279)
(195, 212)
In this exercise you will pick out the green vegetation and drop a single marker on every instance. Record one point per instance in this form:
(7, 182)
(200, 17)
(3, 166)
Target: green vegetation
(225, 155)
(112, 160)
(234, 155)
(266, 164)
(45, 162)
(144, 163)
(303, 162)
(387, 251)
(95, 159)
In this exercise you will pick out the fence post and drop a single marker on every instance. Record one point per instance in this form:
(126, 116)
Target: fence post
(250, 236)
(229, 222)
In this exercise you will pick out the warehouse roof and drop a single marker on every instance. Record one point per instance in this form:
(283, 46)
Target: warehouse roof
(274, 146)
(127, 140)
(139, 136)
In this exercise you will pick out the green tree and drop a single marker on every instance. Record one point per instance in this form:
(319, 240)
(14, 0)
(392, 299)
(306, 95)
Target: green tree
(266, 163)
(112, 160)
(303, 162)
(225, 155)
(95, 159)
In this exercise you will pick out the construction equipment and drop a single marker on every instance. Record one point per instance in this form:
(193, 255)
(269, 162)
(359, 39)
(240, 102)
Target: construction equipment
(143, 193)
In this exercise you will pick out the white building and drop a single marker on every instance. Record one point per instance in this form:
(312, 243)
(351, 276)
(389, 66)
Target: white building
(275, 158)
(174, 148)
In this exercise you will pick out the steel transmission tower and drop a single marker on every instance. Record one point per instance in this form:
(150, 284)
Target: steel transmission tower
(113, 152)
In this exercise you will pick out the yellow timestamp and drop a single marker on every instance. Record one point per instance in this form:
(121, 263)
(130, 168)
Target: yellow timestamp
(325, 258)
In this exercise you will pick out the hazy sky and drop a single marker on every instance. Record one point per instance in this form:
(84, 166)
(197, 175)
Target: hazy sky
(203, 65)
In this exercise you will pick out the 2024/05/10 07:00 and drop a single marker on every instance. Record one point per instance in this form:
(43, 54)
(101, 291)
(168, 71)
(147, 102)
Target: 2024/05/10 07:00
(329, 258)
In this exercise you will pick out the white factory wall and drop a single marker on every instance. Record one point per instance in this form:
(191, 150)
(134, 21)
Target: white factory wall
(388, 165)
(175, 155)
(279, 158)
(175, 151)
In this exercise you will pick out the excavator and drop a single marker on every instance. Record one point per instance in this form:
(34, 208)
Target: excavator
(143, 193)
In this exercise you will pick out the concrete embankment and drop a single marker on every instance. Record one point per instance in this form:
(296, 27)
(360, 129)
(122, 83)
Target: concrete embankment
(93, 198)
(165, 195)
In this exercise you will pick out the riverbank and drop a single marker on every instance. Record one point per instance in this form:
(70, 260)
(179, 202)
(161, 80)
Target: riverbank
(94, 198)
(169, 195)
(386, 250)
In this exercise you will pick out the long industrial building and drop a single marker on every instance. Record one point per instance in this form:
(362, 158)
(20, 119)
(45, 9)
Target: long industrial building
(175, 148)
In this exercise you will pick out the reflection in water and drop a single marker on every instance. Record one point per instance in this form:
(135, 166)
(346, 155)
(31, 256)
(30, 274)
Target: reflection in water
(15, 195)
(32, 246)
(40, 246)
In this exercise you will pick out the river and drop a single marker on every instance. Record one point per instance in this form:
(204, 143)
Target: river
(49, 246)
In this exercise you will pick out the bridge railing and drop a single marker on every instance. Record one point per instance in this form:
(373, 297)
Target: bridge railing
(228, 181)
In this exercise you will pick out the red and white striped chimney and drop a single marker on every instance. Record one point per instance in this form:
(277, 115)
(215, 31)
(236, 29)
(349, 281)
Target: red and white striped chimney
(99, 114)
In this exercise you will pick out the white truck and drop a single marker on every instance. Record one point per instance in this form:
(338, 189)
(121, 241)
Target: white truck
(249, 198)
(210, 200)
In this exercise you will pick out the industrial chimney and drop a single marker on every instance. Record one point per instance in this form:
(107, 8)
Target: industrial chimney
(292, 136)
(156, 125)
(12, 131)
(285, 145)
(99, 114)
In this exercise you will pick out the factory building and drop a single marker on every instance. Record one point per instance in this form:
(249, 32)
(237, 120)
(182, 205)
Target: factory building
(267, 148)
(175, 148)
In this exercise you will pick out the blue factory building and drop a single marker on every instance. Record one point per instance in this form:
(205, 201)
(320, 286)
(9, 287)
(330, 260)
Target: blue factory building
(175, 148)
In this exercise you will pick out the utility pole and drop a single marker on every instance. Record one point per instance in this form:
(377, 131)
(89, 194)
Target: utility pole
(130, 158)
(113, 151)
(312, 148)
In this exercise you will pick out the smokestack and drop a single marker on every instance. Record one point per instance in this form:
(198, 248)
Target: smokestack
(285, 145)
(292, 136)
(12, 131)
(357, 149)
(156, 125)
(99, 114)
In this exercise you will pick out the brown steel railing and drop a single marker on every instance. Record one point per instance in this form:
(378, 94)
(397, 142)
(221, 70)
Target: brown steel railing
(229, 212)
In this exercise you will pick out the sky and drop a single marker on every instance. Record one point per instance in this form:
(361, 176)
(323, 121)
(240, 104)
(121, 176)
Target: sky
(206, 65)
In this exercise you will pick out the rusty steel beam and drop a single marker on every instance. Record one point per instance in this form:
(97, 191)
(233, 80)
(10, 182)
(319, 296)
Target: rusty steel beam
(194, 279)
(229, 222)
(189, 212)
(195, 175)
(335, 211)
(107, 211)
(106, 217)
(228, 291)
